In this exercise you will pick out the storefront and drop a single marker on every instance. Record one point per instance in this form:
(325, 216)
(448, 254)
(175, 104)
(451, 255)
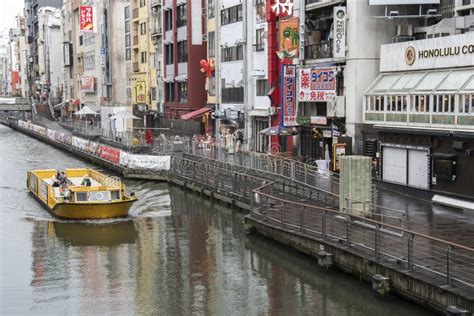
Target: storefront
(421, 108)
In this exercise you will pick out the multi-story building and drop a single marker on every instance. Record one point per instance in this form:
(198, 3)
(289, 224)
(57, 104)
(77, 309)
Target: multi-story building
(4, 62)
(184, 46)
(49, 56)
(31, 9)
(22, 55)
(14, 62)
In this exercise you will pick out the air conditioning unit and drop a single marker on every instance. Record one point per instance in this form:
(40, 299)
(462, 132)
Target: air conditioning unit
(405, 30)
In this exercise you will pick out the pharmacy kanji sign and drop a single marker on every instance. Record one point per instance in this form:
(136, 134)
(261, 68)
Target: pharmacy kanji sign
(288, 96)
(316, 84)
(282, 8)
(86, 16)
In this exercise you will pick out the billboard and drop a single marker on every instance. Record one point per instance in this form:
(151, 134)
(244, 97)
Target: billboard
(289, 38)
(288, 96)
(86, 18)
(402, 2)
(316, 84)
(88, 84)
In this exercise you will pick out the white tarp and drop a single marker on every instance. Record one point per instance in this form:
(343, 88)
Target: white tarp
(79, 143)
(8, 100)
(145, 162)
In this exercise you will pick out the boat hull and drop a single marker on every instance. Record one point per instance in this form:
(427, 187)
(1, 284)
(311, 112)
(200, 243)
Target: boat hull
(92, 211)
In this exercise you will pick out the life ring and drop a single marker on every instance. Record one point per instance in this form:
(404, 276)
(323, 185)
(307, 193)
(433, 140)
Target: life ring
(99, 196)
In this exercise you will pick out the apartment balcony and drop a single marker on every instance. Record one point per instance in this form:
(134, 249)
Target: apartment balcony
(156, 31)
(135, 40)
(136, 67)
(135, 13)
(322, 50)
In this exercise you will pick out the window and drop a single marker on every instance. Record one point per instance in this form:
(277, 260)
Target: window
(233, 95)
(127, 13)
(128, 42)
(181, 15)
(169, 58)
(466, 104)
(420, 103)
(128, 54)
(232, 53)
(211, 9)
(262, 87)
(89, 61)
(183, 92)
(168, 20)
(127, 26)
(231, 15)
(142, 3)
(259, 40)
(182, 52)
(80, 40)
(211, 43)
(260, 9)
(143, 57)
(169, 95)
(153, 93)
(143, 28)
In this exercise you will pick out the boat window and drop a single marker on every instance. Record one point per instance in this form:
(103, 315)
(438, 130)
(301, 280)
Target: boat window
(81, 196)
(114, 195)
(99, 196)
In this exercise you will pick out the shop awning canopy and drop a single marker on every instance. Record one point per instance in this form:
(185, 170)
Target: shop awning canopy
(86, 111)
(423, 82)
(196, 113)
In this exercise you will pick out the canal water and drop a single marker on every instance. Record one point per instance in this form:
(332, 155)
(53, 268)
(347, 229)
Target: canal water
(176, 254)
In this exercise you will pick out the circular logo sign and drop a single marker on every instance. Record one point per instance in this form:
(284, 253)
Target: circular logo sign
(410, 55)
(340, 14)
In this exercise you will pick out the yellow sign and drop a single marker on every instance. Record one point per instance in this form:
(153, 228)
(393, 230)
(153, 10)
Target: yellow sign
(338, 151)
(140, 92)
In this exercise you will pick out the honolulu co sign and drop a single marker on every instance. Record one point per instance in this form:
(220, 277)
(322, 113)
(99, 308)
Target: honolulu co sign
(446, 51)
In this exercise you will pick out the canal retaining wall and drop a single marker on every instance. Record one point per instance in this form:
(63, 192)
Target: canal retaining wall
(238, 188)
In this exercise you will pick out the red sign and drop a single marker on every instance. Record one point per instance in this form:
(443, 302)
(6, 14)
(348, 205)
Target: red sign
(88, 84)
(288, 96)
(282, 8)
(109, 153)
(86, 15)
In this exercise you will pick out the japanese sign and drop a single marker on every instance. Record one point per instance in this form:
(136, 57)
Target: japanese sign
(86, 15)
(282, 8)
(288, 96)
(289, 38)
(140, 91)
(339, 47)
(317, 84)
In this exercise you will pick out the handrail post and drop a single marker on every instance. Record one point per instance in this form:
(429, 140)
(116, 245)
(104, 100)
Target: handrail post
(448, 267)
(348, 219)
(376, 242)
(302, 218)
(305, 174)
(323, 228)
(292, 170)
(410, 252)
(281, 215)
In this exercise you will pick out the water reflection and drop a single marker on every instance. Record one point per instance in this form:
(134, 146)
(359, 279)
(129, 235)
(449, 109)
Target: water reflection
(176, 254)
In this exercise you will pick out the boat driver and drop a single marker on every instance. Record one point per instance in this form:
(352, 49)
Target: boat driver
(86, 181)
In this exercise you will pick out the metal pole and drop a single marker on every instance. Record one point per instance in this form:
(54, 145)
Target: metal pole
(348, 219)
(323, 228)
(376, 242)
(410, 252)
(448, 267)
(302, 219)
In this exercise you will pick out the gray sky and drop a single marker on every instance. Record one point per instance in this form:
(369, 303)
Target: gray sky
(8, 10)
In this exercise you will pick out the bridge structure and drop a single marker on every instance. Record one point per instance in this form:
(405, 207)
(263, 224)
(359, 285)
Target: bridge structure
(14, 104)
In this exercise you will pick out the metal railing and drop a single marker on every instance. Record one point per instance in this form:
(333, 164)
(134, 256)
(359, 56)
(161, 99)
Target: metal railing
(449, 263)
(318, 50)
(85, 127)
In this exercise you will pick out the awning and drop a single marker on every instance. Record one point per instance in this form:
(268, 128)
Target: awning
(423, 82)
(443, 156)
(196, 113)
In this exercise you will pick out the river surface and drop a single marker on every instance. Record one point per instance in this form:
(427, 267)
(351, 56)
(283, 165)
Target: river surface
(176, 254)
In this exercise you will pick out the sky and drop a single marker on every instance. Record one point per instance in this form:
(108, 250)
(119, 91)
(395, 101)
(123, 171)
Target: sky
(8, 10)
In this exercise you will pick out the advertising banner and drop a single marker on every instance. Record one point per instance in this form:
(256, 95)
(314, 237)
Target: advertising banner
(288, 96)
(51, 134)
(88, 84)
(289, 38)
(316, 84)
(110, 154)
(339, 46)
(92, 147)
(145, 162)
(140, 90)
(79, 143)
(86, 16)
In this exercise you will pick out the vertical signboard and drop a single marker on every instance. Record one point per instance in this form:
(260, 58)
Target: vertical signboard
(289, 38)
(86, 16)
(339, 45)
(140, 91)
(316, 84)
(338, 151)
(288, 96)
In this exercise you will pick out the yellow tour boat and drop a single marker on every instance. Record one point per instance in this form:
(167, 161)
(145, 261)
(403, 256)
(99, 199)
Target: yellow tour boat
(102, 197)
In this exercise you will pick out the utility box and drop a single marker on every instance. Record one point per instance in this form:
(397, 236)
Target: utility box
(355, 186)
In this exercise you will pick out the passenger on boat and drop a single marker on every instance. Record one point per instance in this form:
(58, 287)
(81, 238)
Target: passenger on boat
(56, 180)
(64, 179)
(86, 181)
